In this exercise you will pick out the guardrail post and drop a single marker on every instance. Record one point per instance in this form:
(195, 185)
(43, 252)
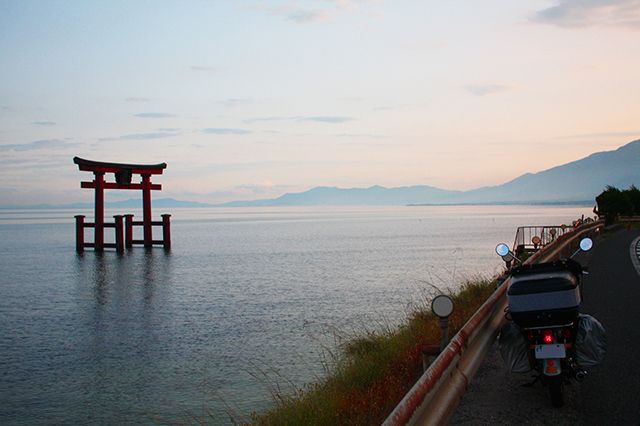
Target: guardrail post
(444, 328)
(429, 353)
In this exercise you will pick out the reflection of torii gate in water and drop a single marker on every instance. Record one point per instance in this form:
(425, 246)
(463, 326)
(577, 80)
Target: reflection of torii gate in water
(123, 174)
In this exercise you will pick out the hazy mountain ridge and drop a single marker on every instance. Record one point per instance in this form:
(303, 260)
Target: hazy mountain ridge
(577, 181)
(374, 195)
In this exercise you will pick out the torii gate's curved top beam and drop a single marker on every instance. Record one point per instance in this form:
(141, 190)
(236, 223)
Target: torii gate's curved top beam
(99, 166)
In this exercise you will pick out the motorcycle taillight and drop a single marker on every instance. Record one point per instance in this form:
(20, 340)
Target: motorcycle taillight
(547, 336)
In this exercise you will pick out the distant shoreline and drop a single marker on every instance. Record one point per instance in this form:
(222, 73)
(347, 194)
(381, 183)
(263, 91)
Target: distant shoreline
(189, 205)
(583, 203)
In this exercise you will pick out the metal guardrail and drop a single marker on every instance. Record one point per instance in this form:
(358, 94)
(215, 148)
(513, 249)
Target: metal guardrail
(546, 234)
(629, 219)
(434, 397)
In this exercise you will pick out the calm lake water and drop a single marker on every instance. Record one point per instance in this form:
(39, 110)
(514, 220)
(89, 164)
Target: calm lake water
(245, 299)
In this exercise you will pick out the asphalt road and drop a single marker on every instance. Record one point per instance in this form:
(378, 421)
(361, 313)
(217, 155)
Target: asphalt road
(611, 393)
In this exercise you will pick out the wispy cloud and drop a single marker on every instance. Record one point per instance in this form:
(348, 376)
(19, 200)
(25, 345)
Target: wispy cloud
(300, 12)
(218, 194)
(199, 68)
(37, 145)
(362, 143)
(308, 16)
(353, 99)
(361, 135)
(147, 136)
(154, 115)
(44, 123)
(604, 135)
(591, 13)
(232, 103)
(393, 107)
(261, 119)
(327, 119)
(136, 99)
(262, 188)
(225, 131)
(160, 134)
(486, 89)
(331, 119)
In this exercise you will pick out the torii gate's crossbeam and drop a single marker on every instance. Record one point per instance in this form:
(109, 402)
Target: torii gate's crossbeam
(123, 174)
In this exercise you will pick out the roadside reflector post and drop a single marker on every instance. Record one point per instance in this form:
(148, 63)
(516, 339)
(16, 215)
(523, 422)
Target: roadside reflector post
(442, 307)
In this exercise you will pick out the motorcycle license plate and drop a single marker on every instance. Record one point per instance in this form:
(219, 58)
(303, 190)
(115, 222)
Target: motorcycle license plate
(550, 351)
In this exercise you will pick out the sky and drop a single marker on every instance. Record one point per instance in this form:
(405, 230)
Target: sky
(250, 99)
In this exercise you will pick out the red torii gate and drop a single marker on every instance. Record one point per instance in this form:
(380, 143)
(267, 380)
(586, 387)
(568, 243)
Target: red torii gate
(123, 174)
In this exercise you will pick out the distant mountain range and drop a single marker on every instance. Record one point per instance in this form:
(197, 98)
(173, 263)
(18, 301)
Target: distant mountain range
(576, 182)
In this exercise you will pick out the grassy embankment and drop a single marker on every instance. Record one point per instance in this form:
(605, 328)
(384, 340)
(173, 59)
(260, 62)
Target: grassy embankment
(375, 371)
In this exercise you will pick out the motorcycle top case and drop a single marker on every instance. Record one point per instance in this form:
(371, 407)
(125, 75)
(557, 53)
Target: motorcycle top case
(544, 295)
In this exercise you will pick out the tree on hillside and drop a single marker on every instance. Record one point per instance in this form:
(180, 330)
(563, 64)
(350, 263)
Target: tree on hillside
(613, 202)
(633, 195)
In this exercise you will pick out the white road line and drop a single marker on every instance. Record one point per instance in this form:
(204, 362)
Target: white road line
(634, 251)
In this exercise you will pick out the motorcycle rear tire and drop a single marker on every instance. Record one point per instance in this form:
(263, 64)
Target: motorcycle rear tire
(556, 391)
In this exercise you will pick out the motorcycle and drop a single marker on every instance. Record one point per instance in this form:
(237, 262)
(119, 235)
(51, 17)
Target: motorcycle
(545, 331)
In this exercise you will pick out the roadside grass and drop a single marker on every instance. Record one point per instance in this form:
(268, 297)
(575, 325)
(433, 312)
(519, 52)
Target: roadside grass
(374, 371)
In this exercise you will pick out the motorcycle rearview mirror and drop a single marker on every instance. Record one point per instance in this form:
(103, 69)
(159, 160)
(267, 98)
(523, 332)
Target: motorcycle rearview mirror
(502, 249)
(586, 244)
(505, 253)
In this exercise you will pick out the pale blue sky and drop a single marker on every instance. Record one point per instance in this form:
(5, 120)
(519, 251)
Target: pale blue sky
(250, 99)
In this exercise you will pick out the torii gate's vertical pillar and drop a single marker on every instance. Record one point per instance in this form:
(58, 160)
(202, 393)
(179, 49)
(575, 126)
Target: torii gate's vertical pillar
(99, 212)
(146, 210)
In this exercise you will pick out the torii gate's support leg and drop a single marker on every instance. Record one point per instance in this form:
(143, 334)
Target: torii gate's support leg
(79, 233)
(166, 231)
(146, 211)
(119, 221)
(99, 212)
(128, 230)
